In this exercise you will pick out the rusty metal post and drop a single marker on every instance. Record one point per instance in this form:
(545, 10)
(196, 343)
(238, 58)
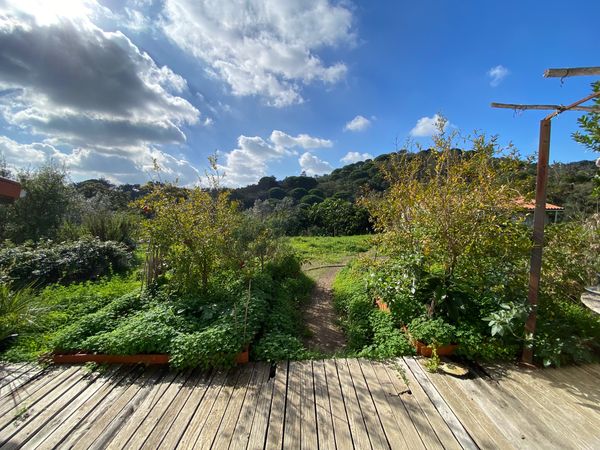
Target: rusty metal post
(539, 217)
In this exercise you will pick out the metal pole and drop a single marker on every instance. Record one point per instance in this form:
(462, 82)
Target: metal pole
(538, 236)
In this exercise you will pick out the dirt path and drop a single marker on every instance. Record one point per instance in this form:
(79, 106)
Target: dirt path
(320, 315)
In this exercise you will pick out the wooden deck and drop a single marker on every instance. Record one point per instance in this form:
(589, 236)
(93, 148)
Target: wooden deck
(344, 403)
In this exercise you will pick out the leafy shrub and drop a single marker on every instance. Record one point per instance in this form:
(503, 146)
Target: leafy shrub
(432, 331)
(49, 262)
(18, 309)
(73, 336)
(388, 340)
(354, 306)
(278, 347)
(111, 226)
(148, 331)
(216, 346)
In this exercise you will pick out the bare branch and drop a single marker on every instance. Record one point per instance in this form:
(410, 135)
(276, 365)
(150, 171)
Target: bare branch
(572, 72)
(544, 107)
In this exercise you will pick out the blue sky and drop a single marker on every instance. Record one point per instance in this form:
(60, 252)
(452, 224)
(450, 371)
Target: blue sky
(277, 87)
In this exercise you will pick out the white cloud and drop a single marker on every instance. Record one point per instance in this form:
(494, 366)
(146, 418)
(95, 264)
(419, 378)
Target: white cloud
(352, 157)
(262, 47)
(497, 74)
(247, 163)
(359, 123)
(302, 140)
(79, 84)
(100, 105)
(427, 126)
(133, 165)
(313, 165)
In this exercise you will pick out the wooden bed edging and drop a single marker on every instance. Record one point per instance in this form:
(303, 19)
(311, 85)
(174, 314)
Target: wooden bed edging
(110, 359)
(78, 358)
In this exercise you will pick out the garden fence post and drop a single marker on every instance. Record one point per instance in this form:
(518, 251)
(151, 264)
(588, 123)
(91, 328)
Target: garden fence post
(539, 217)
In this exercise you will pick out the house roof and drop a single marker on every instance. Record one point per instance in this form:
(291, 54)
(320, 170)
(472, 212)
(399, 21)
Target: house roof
(529, 205)
(9, 190)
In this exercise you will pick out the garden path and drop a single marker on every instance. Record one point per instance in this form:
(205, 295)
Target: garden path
(320, 317)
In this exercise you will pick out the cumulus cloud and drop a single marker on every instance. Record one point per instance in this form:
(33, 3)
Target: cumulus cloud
(80, 84)
(352, 157)
(282, 139)
(359, 123)
(132, 165)
(248, 162)
(64, 79)
(262, 47)
(313, 165)
(427, 126)
(497, 74)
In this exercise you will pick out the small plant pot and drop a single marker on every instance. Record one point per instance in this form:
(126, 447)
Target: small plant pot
(243, 357)
(424, 350)
(80, 358)
(383, 306)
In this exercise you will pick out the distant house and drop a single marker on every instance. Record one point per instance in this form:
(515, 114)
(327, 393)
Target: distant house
(528, 206)
(10, 190)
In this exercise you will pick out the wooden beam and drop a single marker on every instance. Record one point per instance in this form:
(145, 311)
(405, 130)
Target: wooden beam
(544, 107)
(572, 72)
(539, 216)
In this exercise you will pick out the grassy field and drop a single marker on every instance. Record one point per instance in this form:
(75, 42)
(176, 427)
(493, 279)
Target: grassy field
(329, 250)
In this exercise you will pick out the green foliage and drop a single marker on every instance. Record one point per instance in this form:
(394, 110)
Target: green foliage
(215, 346)
(18, 309)
(41, 212)
(311, 199)
(354, 306)
(110, 226)
(388, 340)
(48, 262)
(194, 236)
(73, 336)
(297, 193)
(277, 193)
(432, 331)
(590, 125)
(148, 331)
(279, 347)
(335, 217)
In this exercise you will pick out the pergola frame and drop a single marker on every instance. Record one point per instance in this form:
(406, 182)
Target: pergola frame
(540, 191)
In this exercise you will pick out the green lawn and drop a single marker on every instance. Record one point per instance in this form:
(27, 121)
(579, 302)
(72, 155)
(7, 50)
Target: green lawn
(330, 250)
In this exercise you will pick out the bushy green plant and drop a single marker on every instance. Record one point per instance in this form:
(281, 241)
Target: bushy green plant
(432, 331)
(73, 336)
(112, 226)
(194, 236)
(354, 305)
(388, 340)
(48, 203)
(279, 347)
(18, 309)
(49, 262)
(215, 346)
(148, 331)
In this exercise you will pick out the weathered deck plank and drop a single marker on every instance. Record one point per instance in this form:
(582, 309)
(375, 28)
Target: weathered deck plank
(331, 404)
(324, 418)
(358, 429)
(293, 415)
(341, 424)
(278, 407)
